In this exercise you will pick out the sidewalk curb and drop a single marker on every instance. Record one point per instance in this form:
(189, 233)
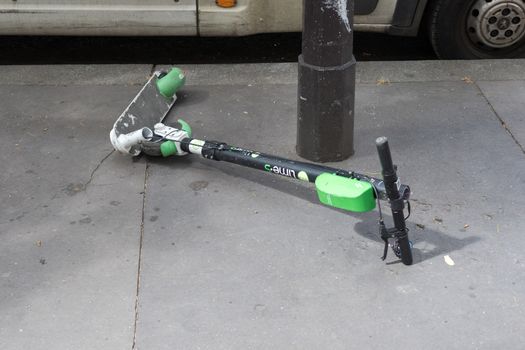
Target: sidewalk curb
(263, 73)
(367, 72)
(60, 75)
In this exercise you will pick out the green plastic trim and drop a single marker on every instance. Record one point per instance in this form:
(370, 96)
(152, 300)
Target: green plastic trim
(171, 82)
(168, 148)
(345, 193)
(185, 127)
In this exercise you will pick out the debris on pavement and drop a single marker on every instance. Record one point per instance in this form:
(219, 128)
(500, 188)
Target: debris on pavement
(449, 261)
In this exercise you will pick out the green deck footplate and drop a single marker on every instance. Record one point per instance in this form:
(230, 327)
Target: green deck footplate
(345, 193)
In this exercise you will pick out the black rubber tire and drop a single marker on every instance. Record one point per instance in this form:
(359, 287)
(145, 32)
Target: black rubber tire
(406, 251)
(446, 24)
(151, 148)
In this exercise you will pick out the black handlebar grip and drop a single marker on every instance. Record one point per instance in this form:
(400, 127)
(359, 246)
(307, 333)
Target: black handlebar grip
(397, 202)
(388, 169)
(384, 155)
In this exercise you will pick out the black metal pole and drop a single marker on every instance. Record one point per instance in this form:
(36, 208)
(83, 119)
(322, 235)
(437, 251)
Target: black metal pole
(325, 125)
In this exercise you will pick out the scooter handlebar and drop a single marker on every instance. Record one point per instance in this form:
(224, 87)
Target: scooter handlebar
(402, 244)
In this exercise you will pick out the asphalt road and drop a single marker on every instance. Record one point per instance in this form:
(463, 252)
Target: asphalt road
(190, 50)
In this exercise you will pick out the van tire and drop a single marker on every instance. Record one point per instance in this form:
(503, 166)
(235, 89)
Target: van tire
(447, 28)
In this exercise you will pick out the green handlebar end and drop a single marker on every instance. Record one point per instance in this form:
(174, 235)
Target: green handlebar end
(185, 127)
(168, 148)
(171, 82)
(345, 193)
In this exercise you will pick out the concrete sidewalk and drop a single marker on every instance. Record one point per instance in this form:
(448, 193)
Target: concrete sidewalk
(102, 252)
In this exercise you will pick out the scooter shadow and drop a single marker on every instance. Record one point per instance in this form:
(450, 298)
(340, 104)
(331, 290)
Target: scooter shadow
(428, 243)
(190, 96)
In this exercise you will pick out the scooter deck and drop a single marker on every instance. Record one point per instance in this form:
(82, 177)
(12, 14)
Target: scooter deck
(150, 106)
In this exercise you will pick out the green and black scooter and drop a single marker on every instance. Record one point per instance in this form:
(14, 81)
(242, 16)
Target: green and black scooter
(140, 129)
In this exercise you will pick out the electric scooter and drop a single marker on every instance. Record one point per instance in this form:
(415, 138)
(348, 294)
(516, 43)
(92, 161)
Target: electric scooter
(140, 130)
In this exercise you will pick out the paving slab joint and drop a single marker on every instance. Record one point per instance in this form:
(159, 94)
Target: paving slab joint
(139, 263)
(153, 68)
(500, 119)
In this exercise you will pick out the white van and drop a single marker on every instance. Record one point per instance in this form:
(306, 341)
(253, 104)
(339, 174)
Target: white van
(457, 28)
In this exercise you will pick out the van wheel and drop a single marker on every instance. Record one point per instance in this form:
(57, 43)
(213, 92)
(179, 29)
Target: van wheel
(470, 29)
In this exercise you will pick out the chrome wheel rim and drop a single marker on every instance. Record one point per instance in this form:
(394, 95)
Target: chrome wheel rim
(496, 23)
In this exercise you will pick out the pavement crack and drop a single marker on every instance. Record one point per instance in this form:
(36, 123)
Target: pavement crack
(84, 187)
(501, 120)
(139, 264)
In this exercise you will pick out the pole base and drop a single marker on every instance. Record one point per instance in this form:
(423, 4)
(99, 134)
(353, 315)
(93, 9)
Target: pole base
(325, 125)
